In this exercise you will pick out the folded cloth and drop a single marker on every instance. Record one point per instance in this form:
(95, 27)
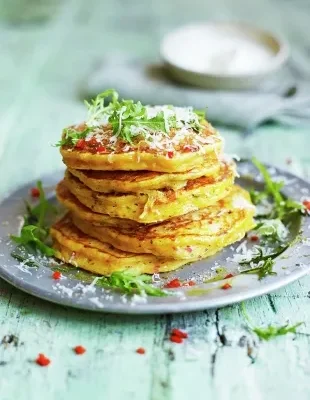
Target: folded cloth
(277, 100)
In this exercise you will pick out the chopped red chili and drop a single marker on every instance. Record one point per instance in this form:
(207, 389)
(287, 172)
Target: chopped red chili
(140, 350)
(79, 350)
(226, 286)
(93, 142)
(179, 333)
(176, 339)
(254, 238)
(306, 203)
(35, 192)
(42, 360)
(101, 149)
(228, 276)
(189, 249)
(56, 275)
(170, 154)
(80, 144)
(189, 283)
(173, 284)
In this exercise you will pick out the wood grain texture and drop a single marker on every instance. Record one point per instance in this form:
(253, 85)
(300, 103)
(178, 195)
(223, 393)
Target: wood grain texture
(48, 48)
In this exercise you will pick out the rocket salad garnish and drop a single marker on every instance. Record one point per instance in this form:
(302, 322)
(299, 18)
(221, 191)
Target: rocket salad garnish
(128, 119)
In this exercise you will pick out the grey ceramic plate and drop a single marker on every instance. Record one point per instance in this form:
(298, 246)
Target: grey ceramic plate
(71, 291)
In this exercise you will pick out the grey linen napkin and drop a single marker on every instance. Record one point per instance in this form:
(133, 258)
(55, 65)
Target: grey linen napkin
(277, 100)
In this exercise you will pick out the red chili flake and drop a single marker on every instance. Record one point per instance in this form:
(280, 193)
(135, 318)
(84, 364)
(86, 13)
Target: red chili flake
(35, 192)
(42, 360)
(187, 148)
(189, 283)
(179, 333)
(56, 275)
(80, 144)
(189, 249)
(170, 154)
(140, 350)
(173, 284)
(176, 339)
(226, 286)
(254, 238)
(79, 350)
(306, 203)
(101, 149)
(92, 142)
(228, 276)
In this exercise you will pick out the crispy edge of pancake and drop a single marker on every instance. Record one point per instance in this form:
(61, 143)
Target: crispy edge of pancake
(137, 161)
(148, 208)
(74, 247)
(68, 200)
(176, 242)
(138, 181)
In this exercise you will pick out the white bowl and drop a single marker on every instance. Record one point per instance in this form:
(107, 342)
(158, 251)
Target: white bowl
(199, 54)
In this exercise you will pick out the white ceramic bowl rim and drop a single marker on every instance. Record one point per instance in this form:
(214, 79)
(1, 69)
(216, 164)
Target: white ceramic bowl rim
(280, 57)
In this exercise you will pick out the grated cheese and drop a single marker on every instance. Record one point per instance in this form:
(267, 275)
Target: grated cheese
(184, 119)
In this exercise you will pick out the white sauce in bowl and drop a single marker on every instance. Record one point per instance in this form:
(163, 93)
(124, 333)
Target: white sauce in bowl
(218, 49)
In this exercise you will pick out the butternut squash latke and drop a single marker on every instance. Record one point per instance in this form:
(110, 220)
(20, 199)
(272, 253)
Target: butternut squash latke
(146, 188)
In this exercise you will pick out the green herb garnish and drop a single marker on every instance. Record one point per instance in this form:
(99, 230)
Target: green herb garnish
(262, 263)
(259, 254)
(25, 260)
(33, 237)
(72, 136)
(273, 331)
(282, 206)
(272, 230)
(221, 272)
(126, 118)
(130, 282)
(34, 233)
(264, 269)
(269, 332)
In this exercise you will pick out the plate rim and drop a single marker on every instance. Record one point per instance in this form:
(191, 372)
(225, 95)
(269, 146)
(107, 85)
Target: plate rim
(196, 303)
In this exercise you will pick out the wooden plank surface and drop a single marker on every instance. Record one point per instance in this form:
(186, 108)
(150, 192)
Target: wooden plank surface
(48, 48)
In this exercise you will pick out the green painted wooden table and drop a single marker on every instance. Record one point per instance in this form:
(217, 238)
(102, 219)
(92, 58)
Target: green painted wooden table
(47, 50)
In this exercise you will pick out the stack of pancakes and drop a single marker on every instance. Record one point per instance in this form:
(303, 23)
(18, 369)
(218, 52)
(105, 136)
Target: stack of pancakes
(150, 210)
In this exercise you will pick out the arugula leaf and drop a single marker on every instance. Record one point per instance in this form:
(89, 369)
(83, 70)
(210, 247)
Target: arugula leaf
(272, 229)
(271, 226)
(201, 114)
(32, 236)
(221, 272)
(257, 197)
(269, 332)
(41, 211)
(273, 331)
(127, 119)
(71, 136)
(263, 269)
(258, 254)
(25, 260)
(124, 115)
(261, 263)
(131, 282)
(282, 206)
(34, 232)
(96, 107)
(271, 187)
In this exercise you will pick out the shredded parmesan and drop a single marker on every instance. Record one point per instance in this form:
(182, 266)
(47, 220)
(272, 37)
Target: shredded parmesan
(184, 120)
